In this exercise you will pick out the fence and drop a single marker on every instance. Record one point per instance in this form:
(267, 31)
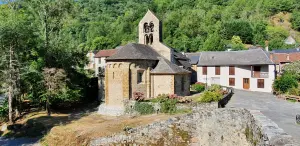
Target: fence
(230, 91)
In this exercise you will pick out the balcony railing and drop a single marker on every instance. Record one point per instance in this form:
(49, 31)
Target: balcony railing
(260, 74)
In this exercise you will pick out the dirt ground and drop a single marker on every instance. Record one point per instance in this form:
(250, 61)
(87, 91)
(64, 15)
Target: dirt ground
(81, 131)
(74, 127)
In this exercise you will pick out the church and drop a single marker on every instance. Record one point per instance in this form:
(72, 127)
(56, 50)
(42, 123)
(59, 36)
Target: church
(148, 67)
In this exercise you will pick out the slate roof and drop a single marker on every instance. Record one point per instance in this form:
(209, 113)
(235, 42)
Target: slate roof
(246, 57)
(164, 66)
(105, 53)
(182, 59)
(135, 51)
(193, 57)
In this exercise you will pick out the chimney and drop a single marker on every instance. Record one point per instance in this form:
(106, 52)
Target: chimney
(267, 45)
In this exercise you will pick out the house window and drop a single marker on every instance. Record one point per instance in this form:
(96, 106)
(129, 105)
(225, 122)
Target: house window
(260, 83)
(231, 81)
(182, 83)
(113, 75)
(231, 70)
(204, 70)
(217, 70)
(99, 60)
(140, 77)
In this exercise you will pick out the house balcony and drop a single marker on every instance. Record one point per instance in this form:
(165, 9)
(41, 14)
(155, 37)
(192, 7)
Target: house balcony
(259, 74)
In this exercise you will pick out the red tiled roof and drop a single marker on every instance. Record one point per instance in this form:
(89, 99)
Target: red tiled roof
(294, 56)
(105, 53)
(285, 57)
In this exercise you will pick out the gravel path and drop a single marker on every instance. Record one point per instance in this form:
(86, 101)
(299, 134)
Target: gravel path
(282, 112)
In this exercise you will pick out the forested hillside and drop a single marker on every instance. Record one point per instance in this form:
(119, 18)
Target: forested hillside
(189, 25)
(44, 42)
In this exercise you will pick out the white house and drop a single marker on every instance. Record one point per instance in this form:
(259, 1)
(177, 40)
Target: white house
(249, 70)
(100, 61)
(91, 64)
(290, 40)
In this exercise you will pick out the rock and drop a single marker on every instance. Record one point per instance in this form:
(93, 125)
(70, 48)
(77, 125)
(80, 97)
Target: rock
(4, 127)
(298, 119)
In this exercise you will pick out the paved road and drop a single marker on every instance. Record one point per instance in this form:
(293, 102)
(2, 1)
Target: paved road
(280, 111)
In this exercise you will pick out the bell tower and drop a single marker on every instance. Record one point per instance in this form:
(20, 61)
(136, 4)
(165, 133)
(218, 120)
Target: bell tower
(150, 29)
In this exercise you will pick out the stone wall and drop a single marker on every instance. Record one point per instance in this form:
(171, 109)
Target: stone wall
(162, 84)
(182, 85)
(205, 126)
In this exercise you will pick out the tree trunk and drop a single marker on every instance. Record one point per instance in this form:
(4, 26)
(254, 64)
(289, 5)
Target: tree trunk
(48, 107)
(10, 112)
(10, 88)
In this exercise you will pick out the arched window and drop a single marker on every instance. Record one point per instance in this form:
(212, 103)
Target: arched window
(150, 39)
(146, 39)
(151, 27)
(146, 27)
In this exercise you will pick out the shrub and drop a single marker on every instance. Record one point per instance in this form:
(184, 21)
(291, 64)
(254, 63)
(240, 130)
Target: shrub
(138, 96)
(168, 106)
(284, 83)
(215, 88)
(143, 108)
(159, 98)
(198, 87)
(294, 91)
(209, 96)
(4, 111)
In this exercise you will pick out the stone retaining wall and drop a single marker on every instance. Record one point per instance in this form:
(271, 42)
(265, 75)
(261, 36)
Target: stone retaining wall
(205, 126)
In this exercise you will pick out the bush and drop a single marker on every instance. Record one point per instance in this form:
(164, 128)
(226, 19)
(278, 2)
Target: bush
(284, 83)
(4, 111)
(210, 96)
(215, 88)
(198, 87)
(168, 106)
(159, 98)
(144, 108)
(294, 91)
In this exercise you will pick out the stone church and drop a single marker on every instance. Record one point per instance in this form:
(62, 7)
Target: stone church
(149, 67)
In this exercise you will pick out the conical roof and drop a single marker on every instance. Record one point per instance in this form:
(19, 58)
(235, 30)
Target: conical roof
(164, 66)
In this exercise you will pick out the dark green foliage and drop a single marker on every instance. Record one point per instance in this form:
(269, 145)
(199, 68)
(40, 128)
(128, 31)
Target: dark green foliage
(296, 20)
(284, 83)
(241, 28)
(168, 106)
(3, 111)
(198, 87)
(144, 108)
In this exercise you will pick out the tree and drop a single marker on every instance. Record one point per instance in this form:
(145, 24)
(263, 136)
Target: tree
(214, 43)
(14, 39)
(293, 68)
(296, 20)
(237, 43)
(240, 28)
(55, 81)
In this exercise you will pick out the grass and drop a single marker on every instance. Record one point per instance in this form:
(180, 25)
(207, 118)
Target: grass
(292, 100)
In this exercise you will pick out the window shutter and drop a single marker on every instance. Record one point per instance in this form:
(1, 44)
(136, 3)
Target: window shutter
(217, 70)
(260, 83)
(231, 70)
(204, 70)
(231, 81)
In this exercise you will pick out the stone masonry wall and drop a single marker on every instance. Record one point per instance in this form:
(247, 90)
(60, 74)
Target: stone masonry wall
(205, 126)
